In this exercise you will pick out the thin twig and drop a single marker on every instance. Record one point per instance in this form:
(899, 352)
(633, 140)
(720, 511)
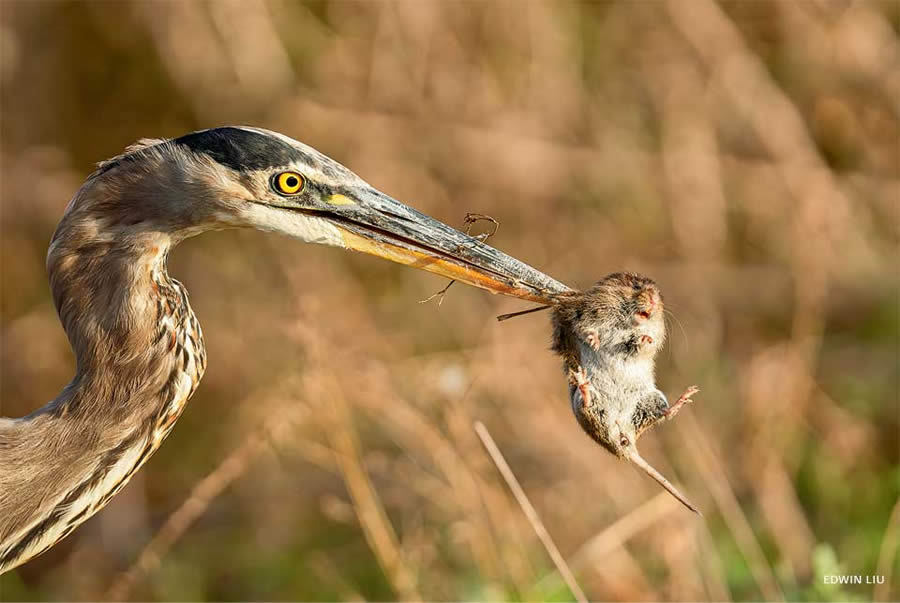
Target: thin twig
(530, 512)
(503, 317)
(470, 219)
(440, 294)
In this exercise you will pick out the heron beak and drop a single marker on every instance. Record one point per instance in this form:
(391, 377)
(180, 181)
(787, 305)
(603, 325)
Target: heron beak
(374, 223)
(633, 456)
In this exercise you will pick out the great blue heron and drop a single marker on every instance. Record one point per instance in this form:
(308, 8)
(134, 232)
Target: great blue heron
(138, 345)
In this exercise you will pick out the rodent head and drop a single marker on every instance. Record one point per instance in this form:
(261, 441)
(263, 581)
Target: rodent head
(627, 309)
(617, 434)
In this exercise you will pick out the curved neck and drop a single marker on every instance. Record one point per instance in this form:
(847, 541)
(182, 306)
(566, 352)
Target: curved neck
(140, 356)
(104, 282)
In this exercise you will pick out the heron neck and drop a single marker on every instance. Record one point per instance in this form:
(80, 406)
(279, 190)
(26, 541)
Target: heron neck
(140, 356)
(131, 326)
(105, 287)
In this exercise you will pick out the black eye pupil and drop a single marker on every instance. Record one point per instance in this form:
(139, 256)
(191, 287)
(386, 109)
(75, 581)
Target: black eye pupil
(291, 181)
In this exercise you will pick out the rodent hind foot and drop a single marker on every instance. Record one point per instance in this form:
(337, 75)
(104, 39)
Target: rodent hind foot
(685, 398)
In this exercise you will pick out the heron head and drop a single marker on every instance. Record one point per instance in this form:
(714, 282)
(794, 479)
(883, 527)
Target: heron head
(250, 177)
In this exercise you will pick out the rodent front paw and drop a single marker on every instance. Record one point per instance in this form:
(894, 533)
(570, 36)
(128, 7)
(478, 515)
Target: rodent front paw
(579, 378)
(592, 336)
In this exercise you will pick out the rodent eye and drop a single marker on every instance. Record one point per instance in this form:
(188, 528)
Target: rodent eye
(287, 183)
(645, 314)
(624, 441)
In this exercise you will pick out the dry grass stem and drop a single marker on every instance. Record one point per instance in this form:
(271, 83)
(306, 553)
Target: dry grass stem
(372, 518)
(201, 496)
(624, 528)
(886, 556)
(714, 573)
(716, 480)
(743, 154)
(530, 512)
(328, 571)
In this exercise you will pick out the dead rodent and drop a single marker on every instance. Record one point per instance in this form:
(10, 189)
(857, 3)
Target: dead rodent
(608, 338)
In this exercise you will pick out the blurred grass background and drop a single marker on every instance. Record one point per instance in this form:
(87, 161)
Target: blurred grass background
(743, 154)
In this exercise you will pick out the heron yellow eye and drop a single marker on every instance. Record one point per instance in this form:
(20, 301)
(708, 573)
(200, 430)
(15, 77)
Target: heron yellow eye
(288, 183)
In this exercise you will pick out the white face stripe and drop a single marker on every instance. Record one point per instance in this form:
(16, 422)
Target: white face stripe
(310, 229)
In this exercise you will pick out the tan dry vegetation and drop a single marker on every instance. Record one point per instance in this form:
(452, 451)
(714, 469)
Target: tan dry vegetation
(744, 154)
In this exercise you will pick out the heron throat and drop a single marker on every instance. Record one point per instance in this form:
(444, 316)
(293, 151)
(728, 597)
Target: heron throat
(140, 356)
